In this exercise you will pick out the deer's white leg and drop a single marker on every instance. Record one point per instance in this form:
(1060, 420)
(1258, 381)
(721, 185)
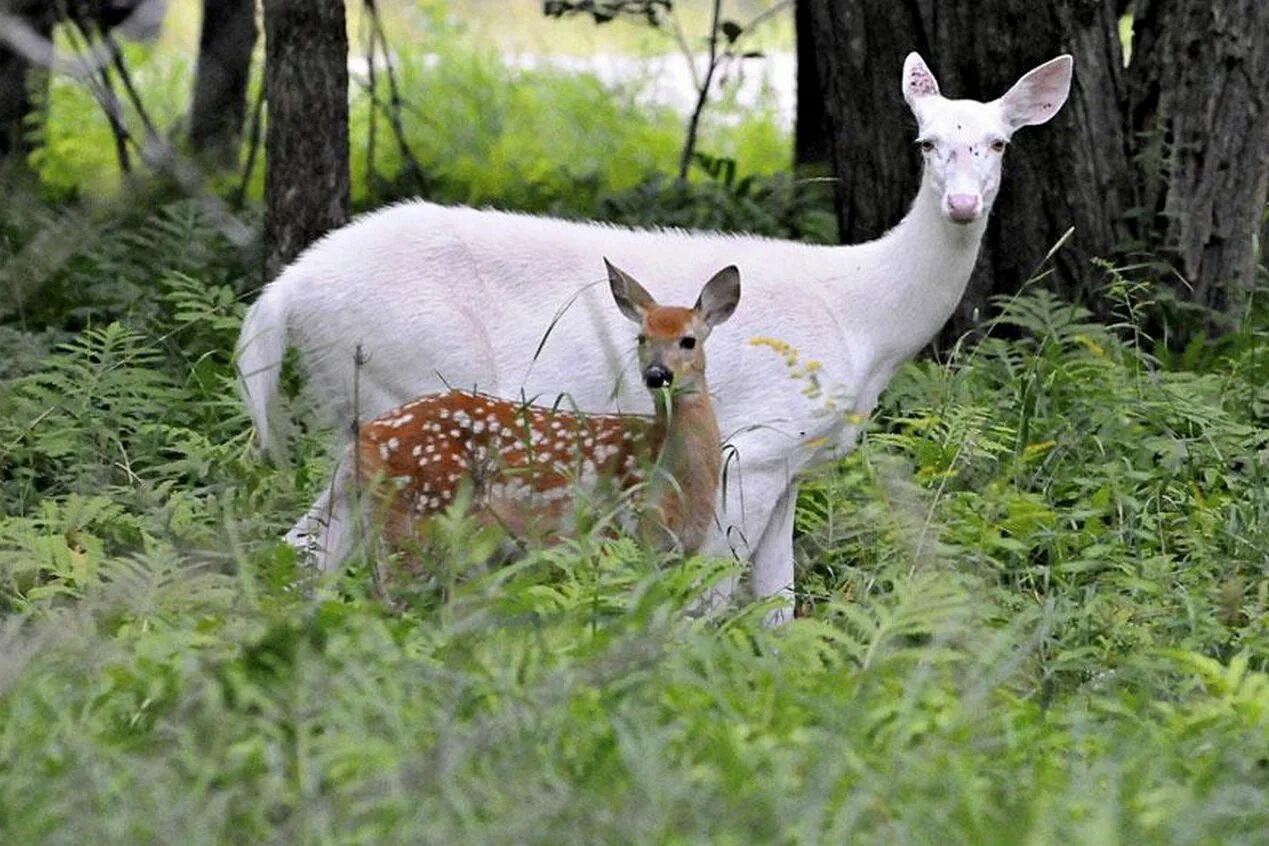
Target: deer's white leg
(323, 536)
(773, 559)
(756, 525)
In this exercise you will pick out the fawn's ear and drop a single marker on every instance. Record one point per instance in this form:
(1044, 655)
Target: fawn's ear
(631, 297)
(719, 297)
(918, 81)
(1039, 94)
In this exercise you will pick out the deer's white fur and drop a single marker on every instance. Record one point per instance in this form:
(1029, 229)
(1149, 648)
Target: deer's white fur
(454, 295)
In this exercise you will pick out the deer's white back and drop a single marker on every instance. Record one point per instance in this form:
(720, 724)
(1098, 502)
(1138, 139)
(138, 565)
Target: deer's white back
(466, 297)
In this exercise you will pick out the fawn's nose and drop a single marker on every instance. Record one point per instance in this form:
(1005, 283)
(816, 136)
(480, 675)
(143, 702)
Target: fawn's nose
(657, 376)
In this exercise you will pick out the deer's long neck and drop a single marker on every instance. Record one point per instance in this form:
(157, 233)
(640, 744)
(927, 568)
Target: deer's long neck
(687, 443)
(917, 272)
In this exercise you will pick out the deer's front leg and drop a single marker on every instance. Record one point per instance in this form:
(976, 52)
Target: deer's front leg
(755, 524)
(773, 559)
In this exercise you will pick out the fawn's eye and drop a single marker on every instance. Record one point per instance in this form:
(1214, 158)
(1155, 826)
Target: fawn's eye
(687, 343)
(926, 145)
(998, 145)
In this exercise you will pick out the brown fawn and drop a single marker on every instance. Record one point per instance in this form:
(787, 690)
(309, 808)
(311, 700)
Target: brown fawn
(525, 463)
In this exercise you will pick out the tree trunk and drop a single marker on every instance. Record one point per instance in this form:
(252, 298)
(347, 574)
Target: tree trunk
(1073, 171)
(811, 147)
(306, 143)
(220, 80)
(23, 87)
(1200, 99)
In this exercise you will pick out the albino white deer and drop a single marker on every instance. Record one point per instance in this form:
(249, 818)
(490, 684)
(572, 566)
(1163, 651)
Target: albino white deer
(502, 301)
(524, 463)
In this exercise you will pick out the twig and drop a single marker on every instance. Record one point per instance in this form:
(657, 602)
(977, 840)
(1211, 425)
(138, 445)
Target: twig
(680, 38)
(116, 58)
(359, 360)
(715, 62)
(253, 147)
(104, 92)
(702, 91)
(394, 93)
(372, 129)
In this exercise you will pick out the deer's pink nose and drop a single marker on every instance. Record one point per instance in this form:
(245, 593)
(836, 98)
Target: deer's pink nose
(963, 208)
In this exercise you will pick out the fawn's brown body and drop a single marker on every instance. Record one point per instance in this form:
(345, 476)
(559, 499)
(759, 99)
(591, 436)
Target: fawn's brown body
(526, 463)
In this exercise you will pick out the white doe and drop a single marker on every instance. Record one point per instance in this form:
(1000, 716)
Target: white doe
(460, 296)
(525, 464)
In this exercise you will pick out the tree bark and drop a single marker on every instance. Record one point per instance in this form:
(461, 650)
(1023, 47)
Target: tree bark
(1074, 171)
(306, 142)
(811, 147)
(1200, 99)
(220, 80)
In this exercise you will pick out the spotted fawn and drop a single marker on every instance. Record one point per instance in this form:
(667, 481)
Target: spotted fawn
(526, 464)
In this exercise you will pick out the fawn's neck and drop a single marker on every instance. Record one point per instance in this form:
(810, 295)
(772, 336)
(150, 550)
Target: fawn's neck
(687, 443)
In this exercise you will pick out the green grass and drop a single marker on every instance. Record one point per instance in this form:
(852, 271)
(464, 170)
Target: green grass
(1035, 597)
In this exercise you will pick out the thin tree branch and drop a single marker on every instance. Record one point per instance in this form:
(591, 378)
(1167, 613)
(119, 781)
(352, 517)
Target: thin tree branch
(372, 44)
(693, 124)
(103, 91)
(396, 101)
(116, 57)
(253, 148)
(715, 61)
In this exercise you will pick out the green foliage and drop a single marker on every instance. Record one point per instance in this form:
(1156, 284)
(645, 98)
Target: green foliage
(535, 139)
(78, 155)
(1068, 468)
(776, 206)
(1036, 601)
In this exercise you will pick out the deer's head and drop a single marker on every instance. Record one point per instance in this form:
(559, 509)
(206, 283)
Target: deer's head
(963, 141)
(672, 338)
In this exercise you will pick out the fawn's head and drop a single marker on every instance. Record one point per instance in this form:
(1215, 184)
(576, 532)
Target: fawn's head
(963, 141)
(672, 338)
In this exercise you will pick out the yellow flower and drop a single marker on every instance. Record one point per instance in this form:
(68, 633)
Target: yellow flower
(1038, 448)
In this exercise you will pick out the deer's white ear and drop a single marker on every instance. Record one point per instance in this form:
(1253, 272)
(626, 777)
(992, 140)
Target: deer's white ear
(1039, 94)
(918, 81)
(719, 297)
(632, 299)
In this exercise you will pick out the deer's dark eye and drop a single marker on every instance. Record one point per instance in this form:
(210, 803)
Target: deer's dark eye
(998, 145)
(687, 343)
(927, 146)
